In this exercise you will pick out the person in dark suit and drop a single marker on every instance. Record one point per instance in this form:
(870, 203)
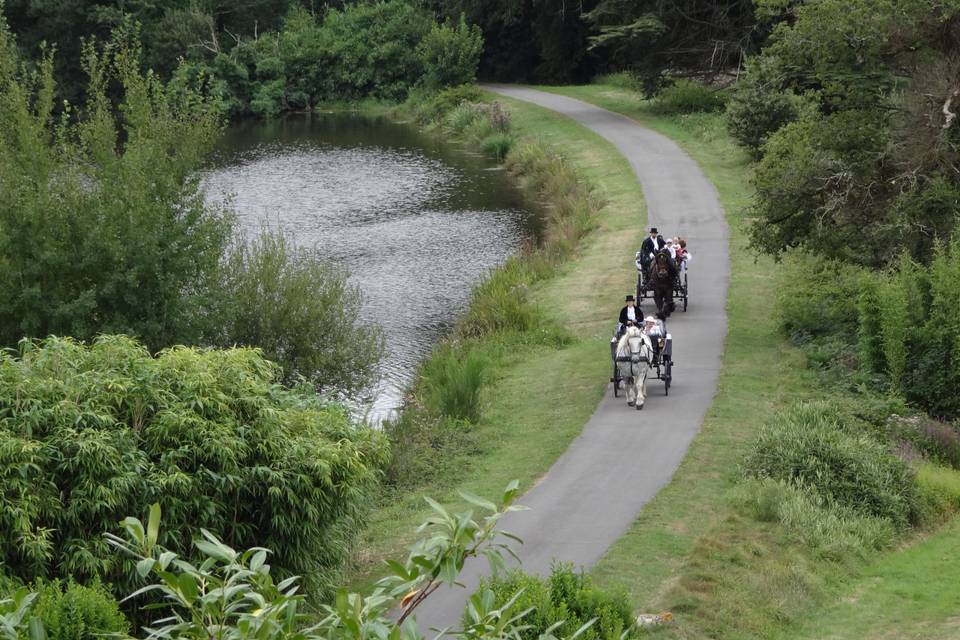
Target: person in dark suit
(651, 245)
(630, 312)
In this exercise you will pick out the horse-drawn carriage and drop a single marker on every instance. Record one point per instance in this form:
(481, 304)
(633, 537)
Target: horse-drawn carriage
(665, 286)
(637, 359)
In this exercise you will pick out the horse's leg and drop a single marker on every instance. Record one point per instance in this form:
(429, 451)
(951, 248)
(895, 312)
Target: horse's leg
(631, 392)
(641, 391)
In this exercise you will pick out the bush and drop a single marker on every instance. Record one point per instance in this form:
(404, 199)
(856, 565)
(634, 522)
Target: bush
(833, 531)
(462, 117)
(814, 446)
(70, 611)
(688, 96)
(437, 105)
(940, 491)
(497, 145)
(450, 54)
(814, 298)
(759, 106)
(301, 311)
(452, 377)
(94, 431)
(98, 236)
(565, 597)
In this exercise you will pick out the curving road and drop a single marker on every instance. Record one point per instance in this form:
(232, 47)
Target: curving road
(594, 491)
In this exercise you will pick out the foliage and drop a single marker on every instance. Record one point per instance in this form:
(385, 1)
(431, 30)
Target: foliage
(102, 227)
(688, 96)
(566, 600)
(300, 311)
(450, 54)
(833, 531)
(649, 36)
(430, 109)
(91, 431)
(817, 448)
(873, 169)
(233, 595)
(813, 298)
(70, 611)
(452, 377)
(939, 489)
(760, 106)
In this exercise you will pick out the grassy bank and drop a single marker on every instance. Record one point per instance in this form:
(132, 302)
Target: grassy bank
(528, 412)
(696, 549)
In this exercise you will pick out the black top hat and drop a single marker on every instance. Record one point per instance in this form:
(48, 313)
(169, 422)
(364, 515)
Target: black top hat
(653, 230)
(630, 299)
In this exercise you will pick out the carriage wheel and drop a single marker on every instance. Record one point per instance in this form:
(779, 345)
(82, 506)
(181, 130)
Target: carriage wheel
(686, 291)
(616, 380)
(668, 364)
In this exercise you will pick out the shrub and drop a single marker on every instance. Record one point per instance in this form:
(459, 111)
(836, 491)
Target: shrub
(759, 106)
(565, 597)
(497, 145)
(937, 440)
(688, 96)
(98, 236)
(301, 311)
(463, 116)
(940, 490)
(814, 298)
(439, 104)
(833, 531)
(90, 432)
(814, 446)
(452, 378)
(70, 611)
(450, 54)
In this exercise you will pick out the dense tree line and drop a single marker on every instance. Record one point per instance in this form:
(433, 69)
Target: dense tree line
(852, 109)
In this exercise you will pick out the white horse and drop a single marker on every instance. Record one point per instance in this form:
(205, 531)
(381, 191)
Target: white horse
(633, 359)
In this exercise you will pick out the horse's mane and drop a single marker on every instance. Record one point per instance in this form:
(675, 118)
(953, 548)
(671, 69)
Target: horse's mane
(631, 332)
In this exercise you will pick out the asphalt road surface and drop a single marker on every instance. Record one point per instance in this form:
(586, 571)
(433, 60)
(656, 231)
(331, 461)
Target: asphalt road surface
(592, 494)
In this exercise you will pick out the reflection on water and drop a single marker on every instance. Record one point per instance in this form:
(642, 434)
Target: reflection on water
(416, 221)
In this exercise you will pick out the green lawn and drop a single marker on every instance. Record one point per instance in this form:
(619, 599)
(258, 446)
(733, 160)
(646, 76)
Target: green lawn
(912, 594)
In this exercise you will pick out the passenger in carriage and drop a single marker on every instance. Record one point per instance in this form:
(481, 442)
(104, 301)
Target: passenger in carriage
(653, 327)
(683, 256)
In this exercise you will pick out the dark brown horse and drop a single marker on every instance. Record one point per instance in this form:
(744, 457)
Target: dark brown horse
(663, 273)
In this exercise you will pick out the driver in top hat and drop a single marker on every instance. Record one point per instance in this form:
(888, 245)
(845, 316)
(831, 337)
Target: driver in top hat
(651, 245)
(630, 313)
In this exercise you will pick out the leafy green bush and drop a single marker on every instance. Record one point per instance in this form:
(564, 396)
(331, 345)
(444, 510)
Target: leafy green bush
(98, 236)
(90, 432)
(565, 597)
(301, 311)
(833, 531)
(461, 117)
(815, 298)
(813, 446)
(688, 96)
(497, 145)
(452, 377)
(70, 611)
(759, 105)
(450, 54)
(434, 105)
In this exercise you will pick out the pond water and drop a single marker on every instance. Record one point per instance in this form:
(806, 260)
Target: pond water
(416, 221)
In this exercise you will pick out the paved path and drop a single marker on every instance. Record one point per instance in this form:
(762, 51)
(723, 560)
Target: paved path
(593, 493)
